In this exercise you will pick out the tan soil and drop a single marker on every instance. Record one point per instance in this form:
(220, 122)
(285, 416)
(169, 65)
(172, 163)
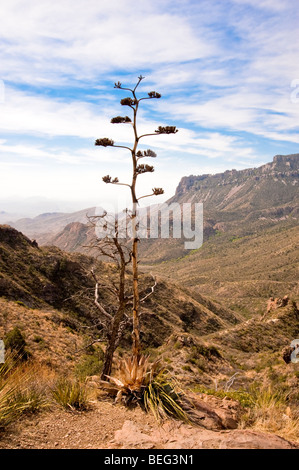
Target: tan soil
(108, 426)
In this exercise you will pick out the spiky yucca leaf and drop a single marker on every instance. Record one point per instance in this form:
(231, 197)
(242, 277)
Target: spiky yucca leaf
(133, 375)
(149, 385)
(164, 398)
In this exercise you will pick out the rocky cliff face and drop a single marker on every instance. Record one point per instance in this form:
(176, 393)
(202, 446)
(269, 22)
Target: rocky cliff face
(271, 190)
(283, 166)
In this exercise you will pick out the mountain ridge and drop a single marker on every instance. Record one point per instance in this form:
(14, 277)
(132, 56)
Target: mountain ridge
(254, 190)
(280, 163)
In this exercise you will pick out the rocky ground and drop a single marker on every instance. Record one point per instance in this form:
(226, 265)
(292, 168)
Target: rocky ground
(109, 426)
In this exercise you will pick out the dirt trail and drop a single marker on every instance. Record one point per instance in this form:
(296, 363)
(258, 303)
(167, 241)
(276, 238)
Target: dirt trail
(107, 426)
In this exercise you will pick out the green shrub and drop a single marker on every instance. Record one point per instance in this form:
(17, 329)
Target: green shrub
(199, 352)
(15, 341)
(90, 364)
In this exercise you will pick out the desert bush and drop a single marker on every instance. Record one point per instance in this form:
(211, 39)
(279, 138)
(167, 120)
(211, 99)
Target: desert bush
(90, 364)
(148, 385)
(15, 341)
(29, 400)
(271, 413)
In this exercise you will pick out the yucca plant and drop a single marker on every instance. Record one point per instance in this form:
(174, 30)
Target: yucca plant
(164, 399)
(72, 395)
(9, 411)
(148, 385)
(133, 376)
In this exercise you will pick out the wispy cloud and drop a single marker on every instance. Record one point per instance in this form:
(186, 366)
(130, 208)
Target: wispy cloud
(224, 70)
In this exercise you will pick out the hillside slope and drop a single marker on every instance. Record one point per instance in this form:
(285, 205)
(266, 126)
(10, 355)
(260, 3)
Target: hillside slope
(50, 223)
(253, 253)
(241, 272)
(250, 231)
(47, 278)
(48, 294)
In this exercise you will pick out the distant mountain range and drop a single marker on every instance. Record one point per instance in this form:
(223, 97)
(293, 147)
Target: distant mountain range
(238, 202)
(250, 199)
(50, 223)
(254, 251)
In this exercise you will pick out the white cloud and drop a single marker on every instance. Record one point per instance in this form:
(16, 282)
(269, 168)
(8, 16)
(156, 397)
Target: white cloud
(223, 68)
(275, 5)
(89, 39)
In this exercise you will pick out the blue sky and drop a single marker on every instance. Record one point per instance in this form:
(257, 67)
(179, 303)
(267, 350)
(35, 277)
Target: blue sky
(228, 72)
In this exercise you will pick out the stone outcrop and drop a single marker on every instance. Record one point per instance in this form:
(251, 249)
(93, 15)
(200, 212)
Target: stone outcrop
(276, 303)
(214, 412)
(175, 435)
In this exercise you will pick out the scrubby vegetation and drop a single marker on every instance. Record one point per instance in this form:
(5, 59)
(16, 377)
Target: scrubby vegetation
(271, 412)
(15, 342)
(148, 385)
(23, 389)
(70, 394)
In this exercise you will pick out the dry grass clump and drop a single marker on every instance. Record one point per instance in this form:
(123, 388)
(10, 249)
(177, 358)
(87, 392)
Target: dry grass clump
(22, 389)
(29, 387)
(70, 394)
(271, 413)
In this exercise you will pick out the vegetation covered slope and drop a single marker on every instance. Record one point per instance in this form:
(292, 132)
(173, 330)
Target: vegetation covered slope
(252, 252)
(48, 278)
(241, 272)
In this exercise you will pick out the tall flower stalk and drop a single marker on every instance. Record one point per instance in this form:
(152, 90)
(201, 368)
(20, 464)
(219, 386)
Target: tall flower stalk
(133, 103)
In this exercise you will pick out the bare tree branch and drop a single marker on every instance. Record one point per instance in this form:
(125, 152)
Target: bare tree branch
(96, 300)
(152, 289)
